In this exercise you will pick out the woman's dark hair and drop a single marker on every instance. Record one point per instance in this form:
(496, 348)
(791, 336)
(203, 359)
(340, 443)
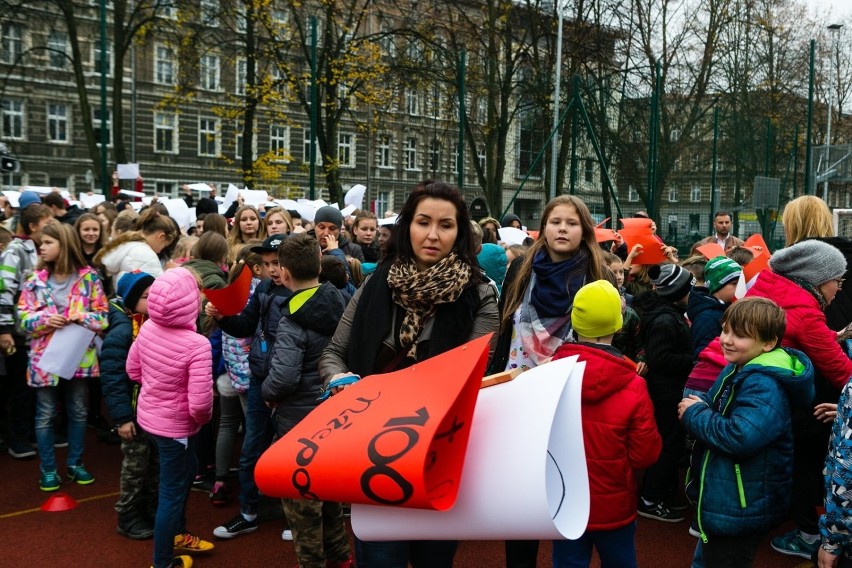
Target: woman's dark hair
(399, 245)
(216, 223)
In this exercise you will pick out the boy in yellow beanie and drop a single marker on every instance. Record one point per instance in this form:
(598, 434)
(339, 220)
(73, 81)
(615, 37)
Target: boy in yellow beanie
(619, 432)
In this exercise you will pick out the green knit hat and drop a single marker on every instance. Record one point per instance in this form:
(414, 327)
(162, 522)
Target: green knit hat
(719, 271)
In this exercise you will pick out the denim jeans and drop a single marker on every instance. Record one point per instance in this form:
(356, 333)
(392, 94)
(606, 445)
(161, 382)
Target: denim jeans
(616, 548)
(398, 554)
(258, 436)
(178, 464)
(76, 397)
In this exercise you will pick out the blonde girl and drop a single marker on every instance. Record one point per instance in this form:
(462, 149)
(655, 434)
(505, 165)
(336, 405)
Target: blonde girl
(246, 226)
(277, 222)
(92, 236)
(139, 249)
(364, 230)
(63, 291)
(540, 285)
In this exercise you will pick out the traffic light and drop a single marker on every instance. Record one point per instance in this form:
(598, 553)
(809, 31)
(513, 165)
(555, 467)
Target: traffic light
(8, 164)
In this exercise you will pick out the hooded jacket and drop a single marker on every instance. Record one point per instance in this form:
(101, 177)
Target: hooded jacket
(668, 345)
(705, 313)
(308, 321)
(119, 391)
(806, 328)
(172, 361)
(129, 256)
(745, 440)
(619, 433)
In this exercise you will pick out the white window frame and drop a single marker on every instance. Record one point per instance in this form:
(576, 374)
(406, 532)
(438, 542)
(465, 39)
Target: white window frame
(410, 154)
(241, 76)
(384, 156)
(306, 147)
(96, 125)
(209, 77)
(346, 149)
(695, 194)
(632, 194)
(279, 141)
(480, 156)
(238, 142)
(204, 129)
(166, 122)
(673, 194)
(208, 13)
(164, 65)
(383, 203)
(12, 46)
(14, 115)
(61, 121)
(165, 188)
(412, 102)
(57, 52)
(168, 11)
(434, 155)
(96, 57)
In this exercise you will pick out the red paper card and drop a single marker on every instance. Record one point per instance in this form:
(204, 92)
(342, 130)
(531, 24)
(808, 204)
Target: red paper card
(231, 299)
(711, 250)
(603, 235)
(392, 439)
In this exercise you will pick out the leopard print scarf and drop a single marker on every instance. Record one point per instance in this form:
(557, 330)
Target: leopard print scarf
(419, 293)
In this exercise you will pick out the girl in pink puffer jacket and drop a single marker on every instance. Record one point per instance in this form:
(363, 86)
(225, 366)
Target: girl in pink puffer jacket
(174, 364)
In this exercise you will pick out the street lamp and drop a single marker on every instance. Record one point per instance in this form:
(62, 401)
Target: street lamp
(834, 29)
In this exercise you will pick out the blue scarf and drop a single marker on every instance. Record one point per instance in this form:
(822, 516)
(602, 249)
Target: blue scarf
(557, 282)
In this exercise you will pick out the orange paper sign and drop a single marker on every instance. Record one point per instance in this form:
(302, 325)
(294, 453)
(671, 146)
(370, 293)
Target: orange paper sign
(711, 250)
(604, 235)
(393, 439)
(231, 299)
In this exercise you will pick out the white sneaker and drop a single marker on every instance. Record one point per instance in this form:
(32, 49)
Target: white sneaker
(287, 534)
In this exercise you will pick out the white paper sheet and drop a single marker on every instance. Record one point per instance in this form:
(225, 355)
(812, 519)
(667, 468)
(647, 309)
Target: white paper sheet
(130, 193)
(65, 350)
(179, 211)
(512, 236)
(288, 204)
(388, 221)
(40, 189)
(91, 200)
(355, 196)
(307, 211)
(348, 210)
(230, 195)
(127, 171)
(524, 474)
(254, 197)
(202, 187)
(13, 197)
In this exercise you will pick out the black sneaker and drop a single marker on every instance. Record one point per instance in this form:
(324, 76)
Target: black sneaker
(135, 527)
(659, 512)
(21, 450)
(235, 527)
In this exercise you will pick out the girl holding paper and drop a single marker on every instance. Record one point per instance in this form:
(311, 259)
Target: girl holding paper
(63, 291)
(426, 297)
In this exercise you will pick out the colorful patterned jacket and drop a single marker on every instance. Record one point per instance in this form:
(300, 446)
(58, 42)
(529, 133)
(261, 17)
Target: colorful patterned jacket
(835, 525)
(235, 351)
(86, 302)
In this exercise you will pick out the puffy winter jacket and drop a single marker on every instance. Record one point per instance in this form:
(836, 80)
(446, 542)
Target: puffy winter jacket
(705, 317)
(118, 390)
(87, 303)
(619, 433)
(17, 263)
(132, 255)
(309, 320)
(745, 437)
(172, 361)
(806, 327)
(668, 345)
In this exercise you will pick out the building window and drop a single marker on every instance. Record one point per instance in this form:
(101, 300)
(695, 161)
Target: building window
(412, 103)
(279, 141)
(210, 13)
(346, 150)
(673, 194)
(480, 157)
(102, 63)
(695, 194)
(164, 65)
(632, 194)
(456, 158)
(531, 137)
(675, 135)
(168, 11)
(210, 72)
(242, 22)
(384, 157)
(13, 43)
(57, 50)
(165, 133)
(411, 154)
(242, 76)
(208, 137)
(306, 148)
(589, 170)
(96, 126)
(382, 203)
(435, 155)
(57, 122)
(13, 119)
(165, 188)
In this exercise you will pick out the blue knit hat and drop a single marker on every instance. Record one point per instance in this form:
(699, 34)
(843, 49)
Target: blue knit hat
(131, 286)
(28, 198)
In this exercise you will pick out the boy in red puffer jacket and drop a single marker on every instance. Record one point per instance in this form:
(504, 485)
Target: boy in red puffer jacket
(619, 432)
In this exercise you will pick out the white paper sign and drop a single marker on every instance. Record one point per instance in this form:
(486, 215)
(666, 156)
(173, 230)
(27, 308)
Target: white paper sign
(307, 211)
(179, 211)
(91, 200)
(388, 221)
(130, 193)
(524, 473)
(348, 210)
(512, 236)
(127, 171)
(13, 197)
(202, 187)
(288, 204)
(65, 350)
(40, 189)
(355, 196)
(256, 197)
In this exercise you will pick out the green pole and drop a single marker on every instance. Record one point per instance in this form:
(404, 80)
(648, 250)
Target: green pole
(576, 94)
(104, 141)
(462, 118)
(314, 104)
(653, 132)
(810, 121)
(768, 147)
(713, 171)
(795, 158)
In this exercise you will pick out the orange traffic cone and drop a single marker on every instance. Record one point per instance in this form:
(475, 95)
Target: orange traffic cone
(59, 502)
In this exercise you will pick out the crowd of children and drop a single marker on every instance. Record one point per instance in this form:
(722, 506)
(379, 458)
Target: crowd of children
(744, 378)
